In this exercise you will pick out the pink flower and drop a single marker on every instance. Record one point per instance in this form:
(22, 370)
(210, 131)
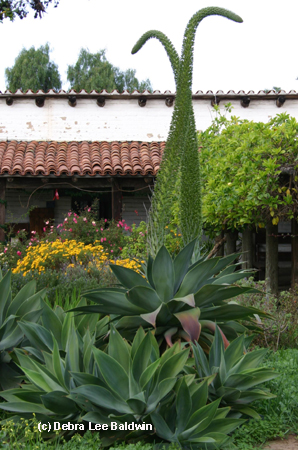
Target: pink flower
(75, 220)
(19, 253)
(112, 251)
(33, 232)
(30, 243)
(106, 220)
(136, 212)
(84, 219)
(101, 229)
(89, 209)
(75, 215)
(104, 239)
(118, 225)
(65, 220)
(69, 214)
(96, 231)
(44, 228)
(93, 223)
(101, 240)
(70, 229)
(47, 222)
(5, 250)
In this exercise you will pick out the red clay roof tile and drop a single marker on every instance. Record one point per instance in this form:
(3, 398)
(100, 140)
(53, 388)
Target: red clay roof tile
(80, 158)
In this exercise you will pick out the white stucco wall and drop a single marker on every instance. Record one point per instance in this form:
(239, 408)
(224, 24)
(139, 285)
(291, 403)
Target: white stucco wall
(120, 119)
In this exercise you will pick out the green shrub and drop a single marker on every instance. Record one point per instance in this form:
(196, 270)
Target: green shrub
(61, 284)
(280, 330)
(279, 414)
(136, 243)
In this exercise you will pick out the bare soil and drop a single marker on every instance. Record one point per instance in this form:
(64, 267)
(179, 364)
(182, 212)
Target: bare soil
(290, 443)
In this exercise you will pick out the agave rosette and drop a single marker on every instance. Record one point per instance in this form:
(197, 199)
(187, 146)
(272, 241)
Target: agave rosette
(238, 374)
(51, 351)
(176, 298)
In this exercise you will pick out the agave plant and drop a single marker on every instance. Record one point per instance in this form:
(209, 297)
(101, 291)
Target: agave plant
(181, 156)
(176, 298)
(237, 374)
(27, 305)
(50, 352)
(191, 423)
(132, 380)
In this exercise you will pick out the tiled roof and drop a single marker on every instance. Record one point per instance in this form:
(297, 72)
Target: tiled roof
(80, 158)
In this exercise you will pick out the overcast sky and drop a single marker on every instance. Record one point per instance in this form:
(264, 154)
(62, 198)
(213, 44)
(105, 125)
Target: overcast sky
(257, 54)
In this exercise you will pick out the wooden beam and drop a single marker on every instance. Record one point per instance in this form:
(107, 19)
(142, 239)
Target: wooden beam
(294, 274)
(271, 271)
(2, 207)
(116, 202)
(67, 183)
(219, 244)
(231, 240)
(247, 248)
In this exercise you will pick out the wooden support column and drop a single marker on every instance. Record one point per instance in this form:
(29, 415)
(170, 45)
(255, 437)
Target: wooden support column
(2, 207)
(116, 201)
(219, 245)
(231, 240)
(294, 275)
(271, 271)
(247, 248)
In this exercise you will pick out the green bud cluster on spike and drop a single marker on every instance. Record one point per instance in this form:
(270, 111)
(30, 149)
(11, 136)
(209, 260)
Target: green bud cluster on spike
(178, 180)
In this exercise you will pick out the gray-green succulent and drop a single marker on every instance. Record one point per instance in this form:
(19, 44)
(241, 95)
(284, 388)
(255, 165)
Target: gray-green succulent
(26, 305)
(237, 374)
(175, 298)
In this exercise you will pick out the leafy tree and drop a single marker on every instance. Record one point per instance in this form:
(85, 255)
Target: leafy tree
(179, 179)
(249, 172)
(93, 71)
(18, 8)
(250, 180)
(33, 70)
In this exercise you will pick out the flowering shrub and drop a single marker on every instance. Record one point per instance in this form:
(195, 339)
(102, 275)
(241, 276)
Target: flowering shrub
(85, 228)
(135, 245)
(12, 252)
(52, 255)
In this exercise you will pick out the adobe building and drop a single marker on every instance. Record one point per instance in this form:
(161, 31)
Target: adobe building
(63, 150)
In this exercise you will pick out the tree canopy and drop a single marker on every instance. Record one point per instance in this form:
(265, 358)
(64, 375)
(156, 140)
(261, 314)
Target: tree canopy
(10, 9)
(33, 70)
(249, 171)
(93, 71)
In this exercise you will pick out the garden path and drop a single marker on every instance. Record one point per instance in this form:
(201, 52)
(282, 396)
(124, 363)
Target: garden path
(286, 444)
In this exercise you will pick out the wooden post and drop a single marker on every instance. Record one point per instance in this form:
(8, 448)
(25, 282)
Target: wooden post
(2, 207)
(116, 202)
(219, 245)
(271, 270)
(231, 239)
(247, 248)
(294, 253)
